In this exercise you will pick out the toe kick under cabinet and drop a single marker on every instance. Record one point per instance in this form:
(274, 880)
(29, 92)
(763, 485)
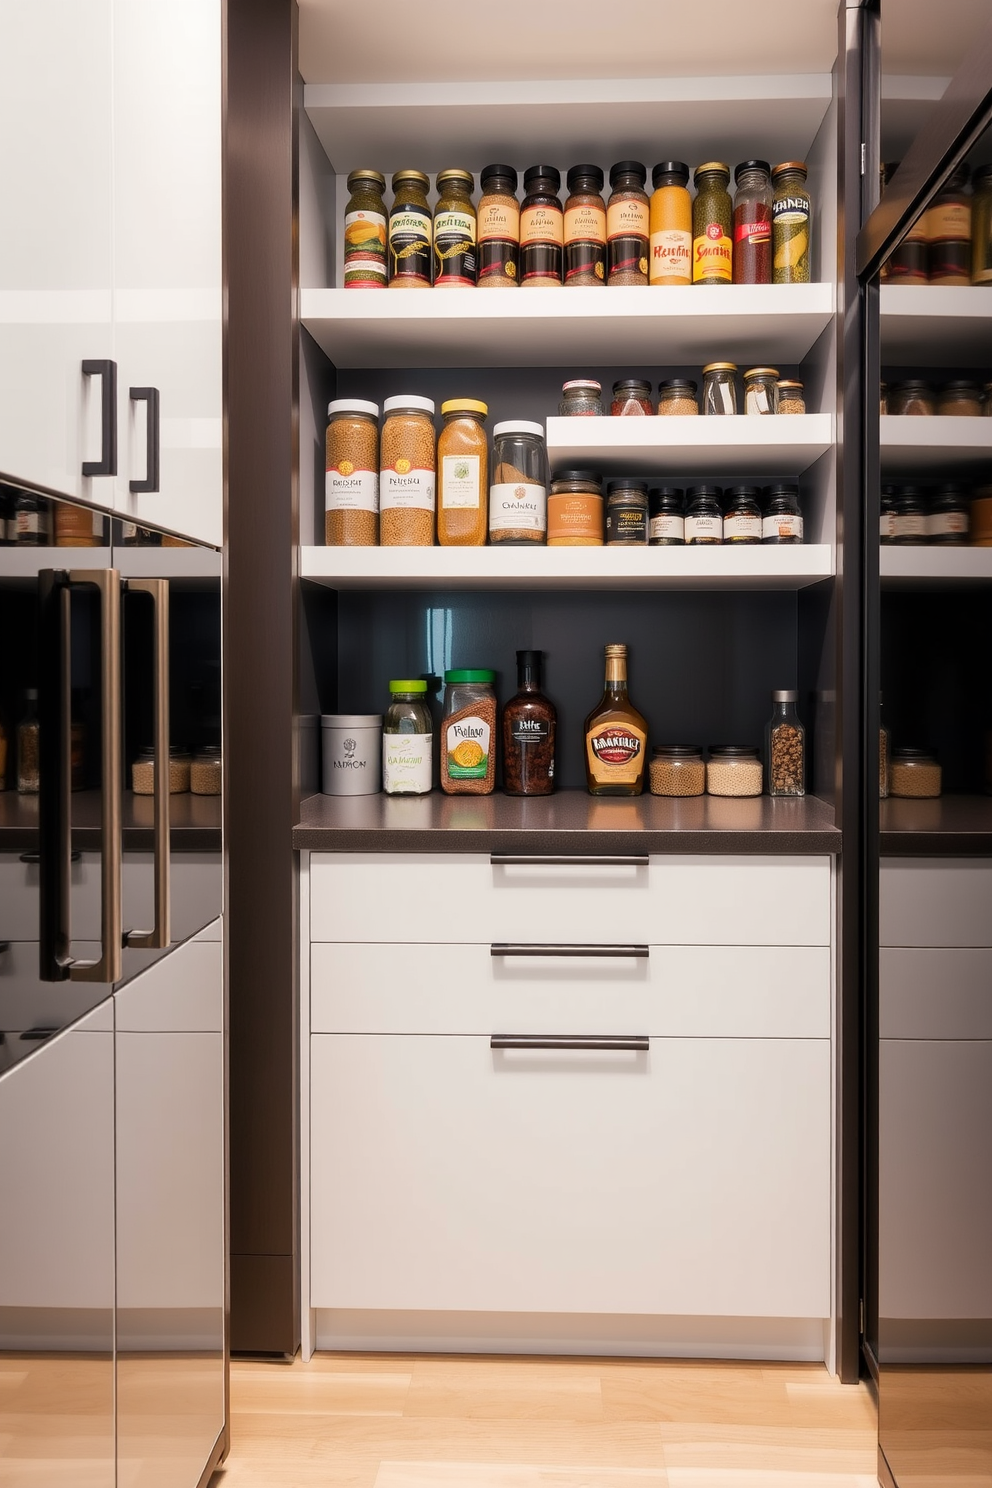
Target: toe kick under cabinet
(578, 1105)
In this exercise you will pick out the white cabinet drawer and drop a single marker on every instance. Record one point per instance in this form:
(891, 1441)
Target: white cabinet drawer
(935, 994)
(935, 902)
(692, 1179)
(464, 898)
(689, 991)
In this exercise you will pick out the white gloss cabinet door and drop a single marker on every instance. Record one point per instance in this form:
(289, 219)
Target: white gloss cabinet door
(167, 258)
(56, 247)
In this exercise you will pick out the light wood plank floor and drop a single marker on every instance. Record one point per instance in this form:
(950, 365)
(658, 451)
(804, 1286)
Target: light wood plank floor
(390, 1421)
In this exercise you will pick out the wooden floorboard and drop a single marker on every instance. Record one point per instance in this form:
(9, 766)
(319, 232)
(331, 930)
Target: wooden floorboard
(391, 1421)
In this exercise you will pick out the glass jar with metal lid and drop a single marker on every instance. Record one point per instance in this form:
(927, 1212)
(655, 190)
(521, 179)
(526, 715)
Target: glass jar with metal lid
(677, 770)
(741, 515)
(791, 399)
(703, 516)
(627, 224)
(761, 390)
(720, 388)
(734, 770)
(455, 231)
(910, 517)
(365, 232)
(915, 773)
(782, 519)
(948, 518)
(887, 515)
(575, 510)
(712, 225)
(411, 256)
(666, 517)
(677, 397)
(631, 396)
(912, 397)
(518, 495)
(581, 397)
(960, 399)
(407, 740)
(626, 514)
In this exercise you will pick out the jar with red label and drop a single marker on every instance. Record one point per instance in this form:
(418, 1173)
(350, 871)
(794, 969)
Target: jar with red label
(542, 229)
(585, 227)
(948, 230)
(628, 224)
(753, 223)
(712, 225)
(631, 396)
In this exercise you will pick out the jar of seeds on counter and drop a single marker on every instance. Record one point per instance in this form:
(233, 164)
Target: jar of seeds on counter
(785, 747)
(720, 388)
(407, 740)
(915, 774)
(734, 770)
(677, 770)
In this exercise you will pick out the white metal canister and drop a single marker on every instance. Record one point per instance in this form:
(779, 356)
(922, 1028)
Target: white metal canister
(352, 753)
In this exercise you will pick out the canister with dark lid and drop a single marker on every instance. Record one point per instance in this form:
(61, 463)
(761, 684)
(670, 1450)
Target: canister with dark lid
(499, 228)
(703, 516)
(666, 517)
(542, 229)
(948, 517)
(910, 517)
(741, 515)
(782, 520)
(626, 514)
(575, 510)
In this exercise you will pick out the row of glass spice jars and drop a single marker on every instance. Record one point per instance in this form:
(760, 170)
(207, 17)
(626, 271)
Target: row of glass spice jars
(760, 236)
(764, 392)
(199, 772)
(949, 515)
(734, 769)
(951, 242)
(960, 398)
(698, 516)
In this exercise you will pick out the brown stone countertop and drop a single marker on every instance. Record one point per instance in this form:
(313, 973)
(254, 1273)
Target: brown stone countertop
(194, 821)
(951, 826)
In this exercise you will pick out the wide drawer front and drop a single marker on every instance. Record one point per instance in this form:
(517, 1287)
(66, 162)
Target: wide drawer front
(466, 898)
(943, 993)
(685, 991)
(935, 902)
(690, 1179)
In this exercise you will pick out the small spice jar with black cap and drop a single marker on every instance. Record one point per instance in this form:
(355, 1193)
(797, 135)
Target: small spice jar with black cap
(631, 397)
(628, 224)
(575, 510)
(499, 228)
(753, 223)
(666, 517)
(626, 514)
(677, 397)
(948, 518)
(782, 520)
(741, 515)
(585, 227)
(910, 517)
(542, 229)
(703, 516)
(671, 224)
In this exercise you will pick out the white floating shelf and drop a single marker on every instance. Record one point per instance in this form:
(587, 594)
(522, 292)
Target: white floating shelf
(634, 326)
(933, 566)
(915, 445)
(27, 563)
(704, 446)
(436, 124)
(756, 567)
(935, 325)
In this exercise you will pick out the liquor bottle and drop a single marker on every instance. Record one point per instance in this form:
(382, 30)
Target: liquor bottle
(529, 721)
(616, 735)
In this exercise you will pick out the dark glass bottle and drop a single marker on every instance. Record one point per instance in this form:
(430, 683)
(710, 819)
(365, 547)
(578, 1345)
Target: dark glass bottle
(542, 229)
(529, 722)
(628, 224)
(616, 735)
(585, 227)
(32, 521)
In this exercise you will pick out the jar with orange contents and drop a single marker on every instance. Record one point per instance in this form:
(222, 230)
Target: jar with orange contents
(463, 474)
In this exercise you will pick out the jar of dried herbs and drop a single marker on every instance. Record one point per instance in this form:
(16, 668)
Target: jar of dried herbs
(462, 461)
(468, 732)
(585, 227)
(677, 398)
(628, 230)
(407, 472)
(411, 255)
(791, 224)
(455, 231)
(365, 232)
(712, 225)
(499, 228)
(351, 480)
(518, 496)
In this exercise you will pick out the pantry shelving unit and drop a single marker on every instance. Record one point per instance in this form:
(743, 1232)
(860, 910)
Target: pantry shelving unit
(933, 567)
(932, 446)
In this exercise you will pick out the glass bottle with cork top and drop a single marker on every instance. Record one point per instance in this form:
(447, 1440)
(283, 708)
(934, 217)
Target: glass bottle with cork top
(529, 723)
(463, 475)
(499, 229)
(542, 229)
(411, 256)
(455, 231)
(616, 735)
(791, 224)
(753, 223)
(712, 225)
(627, 224)
(365, 232)
(670, 224)
(585, 227)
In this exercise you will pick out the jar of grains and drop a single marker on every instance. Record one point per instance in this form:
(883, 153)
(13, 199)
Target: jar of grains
(741, 515)
(628, 224)
(499, 228)
(582, 397)
(761, 390)
(948, 517)
(351, 481)
(666, 519)
(703, 516)
(365, 232)
(887, 515)
(733, 770)
(575, 510)
(205, 771)
(677, 770)
(455, 231)
(914, 773)
(960, 399)
(626, 514)
(462, 461)
(631, 396)
(468, 733)
(518, 496)
(143, 771)
(913, 397)
(677, 396)
(785, 747)
(790, 396)
(407, 740)
(910, 517)
(720, 388)
(407, 473)
(782, 520)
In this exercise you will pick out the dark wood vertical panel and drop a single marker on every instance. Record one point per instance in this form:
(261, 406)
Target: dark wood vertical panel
(261, 517)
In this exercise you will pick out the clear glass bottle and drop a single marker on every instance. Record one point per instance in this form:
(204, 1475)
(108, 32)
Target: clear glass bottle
(28, 759)
(628, 228)
(365, 232)
(518, 495)
(720, 388)
(456, 254)
(785, 747)
(499, 229)
(753, 223)
(407, 740)
(616, 735)
(792, 224)
(581, 397)
(761, 390)
(585, 227)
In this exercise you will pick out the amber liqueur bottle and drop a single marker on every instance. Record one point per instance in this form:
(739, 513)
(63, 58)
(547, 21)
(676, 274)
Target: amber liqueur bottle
(529, 721)
(616, 735)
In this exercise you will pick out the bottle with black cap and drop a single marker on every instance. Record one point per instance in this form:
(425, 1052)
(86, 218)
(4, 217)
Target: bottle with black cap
(529, 722)
(628, 224)
(670, 224)
(585, 227)
(499, 228)
(542, 229)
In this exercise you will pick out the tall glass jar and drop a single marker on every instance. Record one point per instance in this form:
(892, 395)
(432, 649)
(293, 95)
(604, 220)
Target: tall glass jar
(365, 232)
(499, 229)
(468, 732)
(407, 740)
(351, 474)
(456, 253)
(948, 229)
(585, 227)
(981, 226)
(463, 476)
(628, 224)
(792, 223)
(720, 388)
(518, 495)
(411, 256)
(712, 225)
(753, 223)
(670, 224)
(785, 747)
(741, 515)
(407, 472)
(542, 229)
(582, 397)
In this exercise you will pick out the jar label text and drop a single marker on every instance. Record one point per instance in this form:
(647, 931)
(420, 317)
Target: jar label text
(407, 488)
(407, 761)
(517, 504)
(466, 744)
(460, 482)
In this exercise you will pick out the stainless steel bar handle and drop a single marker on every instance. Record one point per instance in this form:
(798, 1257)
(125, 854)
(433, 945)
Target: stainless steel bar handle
(158, 937)
(610, 1042)
(108, 967)
(525, 860)
(638, 952)
(54, 855)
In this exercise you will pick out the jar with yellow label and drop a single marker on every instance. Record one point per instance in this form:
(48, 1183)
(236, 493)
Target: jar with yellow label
(791, 224)
(628, 224)
(670, 224)
(712, 225)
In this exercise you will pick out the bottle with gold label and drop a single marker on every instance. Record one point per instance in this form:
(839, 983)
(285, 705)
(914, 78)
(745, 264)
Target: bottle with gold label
(671, 224)
(712, 225)
(616, 735)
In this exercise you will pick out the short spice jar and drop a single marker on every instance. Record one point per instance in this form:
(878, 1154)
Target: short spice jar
(407, 740)
(666, 517)
(948, 518)
(703, 516)
(626, 514)
(720, 388)
(753, 223)
(411, 254)
(791, 224)
(960, 399)
(741, 515)
(581, 397)
(351, 753)
(365, 232)
(206, 771)
(468, 733)
(670, 224)
(585, 227)
(785, 747)
(912, 398)
(455, 231)
(407, 472)
(790, 396)
(712, 225)
(627, 224)
(915, 774)
(463, 475)
(761, 390)
(499, 228)
(542, 229)
(887, 515)
(782, 520)
(948, 230)
(180, 769)
(631, 397)
(734, 770)
(910, 517)
(677, 770)
(351, 480)
(575, 510)
(518, 495)
(677, 398)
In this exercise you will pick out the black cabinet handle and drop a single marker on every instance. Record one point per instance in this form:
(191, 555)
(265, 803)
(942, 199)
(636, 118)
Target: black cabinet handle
(106, 370)
(637, 1043)
(524, 860)
(158, 589)
(640, 952)
(148, 395)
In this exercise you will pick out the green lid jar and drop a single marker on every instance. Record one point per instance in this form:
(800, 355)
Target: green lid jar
(468, 732)
(407, 740)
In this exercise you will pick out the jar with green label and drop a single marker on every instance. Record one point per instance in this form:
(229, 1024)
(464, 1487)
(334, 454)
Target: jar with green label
(407, 740)
(365, 232)
(411, 253)
(455, 231)
(468, 733)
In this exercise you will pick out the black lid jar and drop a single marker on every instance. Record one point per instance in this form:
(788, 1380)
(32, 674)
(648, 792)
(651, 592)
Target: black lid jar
(627, 224)
(499, 228)
(914, 396)
(910, 517)
(666, 517)
(631, 396)
(960, 399)
(703, 516)
(585, 227)
(782, 520)
(626, 514)
(741, 515)
(542, 229)
(677, 397)
(949, 516)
